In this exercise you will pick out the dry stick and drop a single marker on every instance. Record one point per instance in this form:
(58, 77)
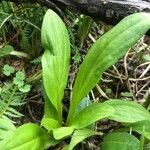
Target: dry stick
(145, 71)
(93, 96)
(142, 79)
(111, 75)
(101, 91)
(119, 75)
(130, 89)
(145, 85)
(125, 64)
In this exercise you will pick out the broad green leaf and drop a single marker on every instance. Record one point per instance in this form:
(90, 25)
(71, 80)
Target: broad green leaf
(6, 130)
(62, 132)
(28, 137)
(49, 123)
(127, 111)
(90, 114)
(105, 52)
(80, 135)
(55, 60)
(120, 141)
(142, 127)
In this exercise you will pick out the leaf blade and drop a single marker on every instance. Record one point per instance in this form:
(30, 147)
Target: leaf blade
(62, 132)
(142, 127)
(80, 135)
(55, 60)
(105, 52)
(122, 141)
(37, 139)
(127, 111)
(91, 114)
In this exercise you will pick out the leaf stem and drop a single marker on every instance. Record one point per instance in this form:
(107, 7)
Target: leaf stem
(60, 114)
(21, 54)
(70, 115)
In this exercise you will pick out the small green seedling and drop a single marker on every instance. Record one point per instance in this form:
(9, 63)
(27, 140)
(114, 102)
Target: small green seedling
(19, 80)
(8, 70)
(55, 63)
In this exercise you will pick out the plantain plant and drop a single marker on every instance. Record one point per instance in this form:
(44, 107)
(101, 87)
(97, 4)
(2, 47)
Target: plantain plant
(55, 63)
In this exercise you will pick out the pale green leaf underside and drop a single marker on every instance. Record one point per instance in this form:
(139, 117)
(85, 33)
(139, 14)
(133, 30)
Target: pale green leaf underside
(91, 114)
(120, 141)
(55, 60)
(106, 51)
(28, 137)
(127, 111)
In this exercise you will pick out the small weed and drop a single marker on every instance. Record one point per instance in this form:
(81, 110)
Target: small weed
(8, 70)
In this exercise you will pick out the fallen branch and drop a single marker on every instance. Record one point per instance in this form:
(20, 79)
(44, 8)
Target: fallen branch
(108, 11)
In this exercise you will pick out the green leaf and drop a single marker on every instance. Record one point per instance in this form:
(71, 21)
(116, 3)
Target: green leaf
(120, 141)
(20, 75)
(19, 79)
(55, 60)
(49, 123)
(127, 111)
(146, 58)
(27, 136)
(126, 94)
(90, 114)
(80, 135)
(49, 109)
(105, 52)
(8, 70)
(62, 132)
(83, 104)
(25, 88)
(142, 127)
(6, 130)
(85, 24)
(6, 50)
(14, 111)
